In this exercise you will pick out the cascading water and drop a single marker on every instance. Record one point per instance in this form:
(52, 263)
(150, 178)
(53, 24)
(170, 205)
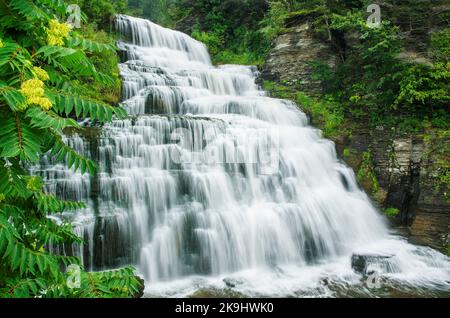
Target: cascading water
(211, 179)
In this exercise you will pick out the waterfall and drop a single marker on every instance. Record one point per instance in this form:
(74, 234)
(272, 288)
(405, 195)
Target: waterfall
(211, 179)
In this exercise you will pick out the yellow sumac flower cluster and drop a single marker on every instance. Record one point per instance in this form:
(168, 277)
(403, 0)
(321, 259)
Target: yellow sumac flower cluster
(33, 90)
(57, 32)
(40, 73)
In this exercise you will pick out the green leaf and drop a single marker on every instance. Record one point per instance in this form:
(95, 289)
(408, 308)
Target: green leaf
(61, 152)
(15, 100)
(89, 45)
(28, 9)
(50, 204)
(48, 119)
(67, 60)
(84, 107)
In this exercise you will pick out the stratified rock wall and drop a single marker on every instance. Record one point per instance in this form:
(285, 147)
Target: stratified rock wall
(290, 59)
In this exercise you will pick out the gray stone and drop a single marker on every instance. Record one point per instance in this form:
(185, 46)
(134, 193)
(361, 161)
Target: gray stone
(361, 262)
(290, 59)
(232, 282)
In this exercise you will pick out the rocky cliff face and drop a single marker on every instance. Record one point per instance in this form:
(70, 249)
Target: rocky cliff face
(289, 61)
(404, 165)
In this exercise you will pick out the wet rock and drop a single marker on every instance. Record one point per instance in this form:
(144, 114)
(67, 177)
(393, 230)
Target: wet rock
(405, 167)
(215, 293)
(232, 282)
(361, 262)
(290, 59)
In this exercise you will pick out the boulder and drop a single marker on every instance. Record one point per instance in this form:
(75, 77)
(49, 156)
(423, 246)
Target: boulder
(361, 262)
(232, 282)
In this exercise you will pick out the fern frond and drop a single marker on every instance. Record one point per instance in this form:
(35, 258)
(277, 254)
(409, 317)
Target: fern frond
(12, 181)
(48, 203)
(28, 9)
(48, 119)
(14, 58)
(48, 233)
(31, 142)
(105, 79)
(109, 284)
(22, 258)
(18, 138)
(67, 59)
(58, 6)
(12, 97)
(61, 152)
(24, 288)
(85, 107)
(89, 45)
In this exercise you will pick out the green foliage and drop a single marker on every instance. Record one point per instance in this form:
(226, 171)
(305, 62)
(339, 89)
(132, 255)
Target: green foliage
(213, 41)
(108, 284)
(440, 45)
(374, 57)
(44, 76)
(100, 12)
(243, 58)
(273, 22)
(366, 175)
(374, 80)
(101, 51)
(425, 87)
(229, 28)
(279, 90)
(81, 107)
(391, 211)
(324, 113)
(346, 153)
(163, 12)
(438, 153)
(99, 46)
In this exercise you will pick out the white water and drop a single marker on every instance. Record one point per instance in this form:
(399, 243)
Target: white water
(266, 203)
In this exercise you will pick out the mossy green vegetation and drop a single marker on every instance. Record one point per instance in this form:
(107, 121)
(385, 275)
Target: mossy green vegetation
(346, 153)
(106, 62)
(380, 80)
(324, 113)
(231, 29)
(438, 152)
(391, 212)
(100, 13)
(366, 175)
